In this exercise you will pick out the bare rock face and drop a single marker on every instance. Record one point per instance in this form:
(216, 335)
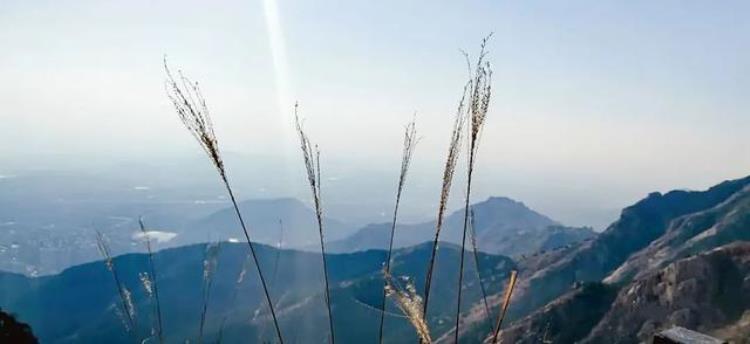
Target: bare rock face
(708, 293)
(681, 335)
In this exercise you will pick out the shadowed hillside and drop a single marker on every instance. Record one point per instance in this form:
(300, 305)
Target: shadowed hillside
(78, 304)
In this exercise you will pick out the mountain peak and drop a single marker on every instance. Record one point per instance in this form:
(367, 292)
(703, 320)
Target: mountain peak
(508, 212)
(502, 200)
(507, 204)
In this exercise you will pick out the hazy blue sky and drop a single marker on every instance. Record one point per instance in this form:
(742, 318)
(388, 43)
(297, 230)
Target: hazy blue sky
(596, 102)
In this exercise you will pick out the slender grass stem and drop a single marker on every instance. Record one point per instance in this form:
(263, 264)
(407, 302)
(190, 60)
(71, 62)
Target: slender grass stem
(193, 112)
(279, 245)
(480, 90)
(235, 292)
(311, 157)
(474, 250)
(448, 172)
(209, 268)
(126, 305)
(154, 283)
(410, 141)
(463, 250)
(256, 263)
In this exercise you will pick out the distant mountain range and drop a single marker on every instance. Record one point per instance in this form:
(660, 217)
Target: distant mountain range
(503, 226)
(58, 231)
(680, 258)
(271, 221)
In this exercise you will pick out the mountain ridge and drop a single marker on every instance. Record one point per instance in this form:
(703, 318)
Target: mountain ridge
(582, 278)
(503, 226)
(639, 225)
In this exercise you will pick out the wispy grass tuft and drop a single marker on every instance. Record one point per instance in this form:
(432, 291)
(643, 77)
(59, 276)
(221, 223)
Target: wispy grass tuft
(480, 91)
(506, 303)
(311, 157)
(193, 112)
(126, 308)
(410, 142)
(448, 172)
(410, 303)
(210, 260)
(150, 284)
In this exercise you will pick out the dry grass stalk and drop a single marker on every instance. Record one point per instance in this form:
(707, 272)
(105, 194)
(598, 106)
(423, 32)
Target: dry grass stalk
(448, 172)
(506, 304)
(279, 245)
(235, 292)
(480, 93)
(410, 142)
(210, 260)
(274, 274)
(193, 112)
(148, 287)
(410, 303)
(150, 284)
(311, 157)
(126, 308)
(473, 233)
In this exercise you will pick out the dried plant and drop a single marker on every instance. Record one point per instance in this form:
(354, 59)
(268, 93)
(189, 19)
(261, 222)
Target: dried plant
(276, 258)
(448, 172)
(480, 91)
(410, 303)
(473, 233)
(149, 282)
(193, 112)
(148, 286)
(126, 308)
(274, 274)
(129, 303)
(506, 303)
(235, 292)
(311, 157)
(410, 142)
(210, 260)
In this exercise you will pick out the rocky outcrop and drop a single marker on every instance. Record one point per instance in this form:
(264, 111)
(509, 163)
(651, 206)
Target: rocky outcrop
(709, 293)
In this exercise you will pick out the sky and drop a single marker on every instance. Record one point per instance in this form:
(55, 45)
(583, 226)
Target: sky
(596, 103)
